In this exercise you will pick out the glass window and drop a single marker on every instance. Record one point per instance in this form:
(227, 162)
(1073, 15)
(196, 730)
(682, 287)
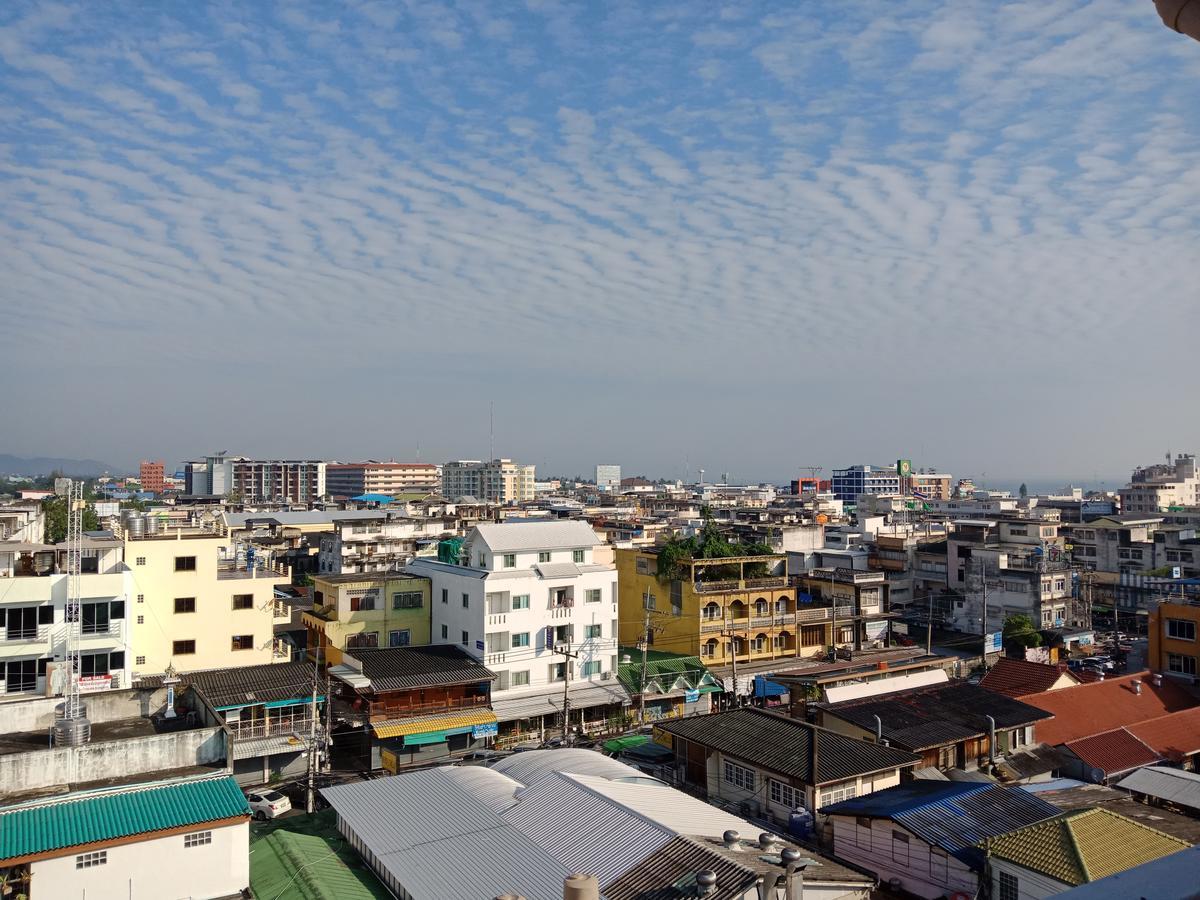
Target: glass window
(197, 839)
(592, 667)
(185, 604)
(1008, 886)
(520, 678)
(243, 642)
(185, 564)
(183, 648)
(1181, 629)
(739, 776)
(465, 638)
(591, 595)
(784, 794)
(19, 675)
(243, 601)
(363, 640)
(577, 556)
(520, 639)
(510, 560)
(543, 556)
(466, 601)
(1184, 665)
(520, 601)
(363, 602)
(399, 638)
(91, 860)
(593, 631)
(445, 632)
(445, 595)
(408, 600)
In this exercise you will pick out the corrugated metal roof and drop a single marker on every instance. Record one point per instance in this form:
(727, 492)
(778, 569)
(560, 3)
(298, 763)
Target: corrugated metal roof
(282, 743)
(558, 535)
(1083, 845)
(421, 724)
(250, 685)
(68, 823)
(402, 668)
(953, 815)
(532, 765)
(557, 570)
(664, 805)
(1174, 785)
(670, 874)
(583, 696)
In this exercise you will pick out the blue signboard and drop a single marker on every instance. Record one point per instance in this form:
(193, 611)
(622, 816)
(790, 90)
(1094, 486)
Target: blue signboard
(691, 696)
(804, 598)
(487, 729)
(479, 645)
(995, 642)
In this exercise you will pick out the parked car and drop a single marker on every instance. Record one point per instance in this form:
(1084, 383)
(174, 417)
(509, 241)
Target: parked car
(268, 804)
(1103, 663)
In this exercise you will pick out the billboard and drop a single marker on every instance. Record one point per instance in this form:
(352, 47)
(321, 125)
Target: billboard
(994, 642)
(904, 467)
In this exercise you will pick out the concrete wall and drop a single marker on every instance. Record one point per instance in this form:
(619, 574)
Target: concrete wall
(103, 706)
(112, 759)
(923, 870)
(148, 870)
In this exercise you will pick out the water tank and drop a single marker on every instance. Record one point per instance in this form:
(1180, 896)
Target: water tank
(135, 526)
(151, 524)
(74, 731)
(800, 822)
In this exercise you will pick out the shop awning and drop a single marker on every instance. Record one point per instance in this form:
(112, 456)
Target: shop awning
(350, 676)
(584, 696)
(435, 727)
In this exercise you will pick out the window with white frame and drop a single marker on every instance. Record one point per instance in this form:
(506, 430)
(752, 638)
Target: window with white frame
(1181, 629)
(576, 556)
(91, 860)
(593, 631)
(543, 556)
(197, 839)
(520, 679)
(591, 667)
(520, 639)
(520, 601)
(510, 560)
(739, 776)
(1181, 664)
(838, 793)
(591, 595)
(786, 795)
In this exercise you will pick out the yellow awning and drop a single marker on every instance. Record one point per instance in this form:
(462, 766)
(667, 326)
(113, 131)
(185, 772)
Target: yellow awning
(443, 722)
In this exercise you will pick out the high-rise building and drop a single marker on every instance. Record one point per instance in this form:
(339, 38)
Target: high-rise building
(496, 481)
(1160, 487)
(608, 478)
(257, 480)
(343, 480)
(848, 483)
(150, 475)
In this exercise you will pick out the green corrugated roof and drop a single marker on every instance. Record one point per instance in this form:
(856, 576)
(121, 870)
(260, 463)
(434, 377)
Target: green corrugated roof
(306, 859)
(38, 829)
(661, 666)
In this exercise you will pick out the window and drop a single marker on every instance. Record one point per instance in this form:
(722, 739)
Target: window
(183, 648)
(445, 632)
(557, 672)
(139, 661)
(243, 601)
(466, 601)
(593, 631)
(591, 667)
(785, 794)
(543, 556)
(91, 860)
(862, 832)
(19, 675)
(838, 794)
(400, 638)
(520, 601)
(185, 564)
(445, 595)
(141, 598)
(510, 560)
(520, 678)
(363, 640)
(408, 600)
(197, 839)
(520, 639)
(591, 595)
(1008, 886)
(900, 847)
(140, 561)
(363, 602)
(739, 776)
(185, 604)
(243, 642)
(576, 556)
(1184, 665)
(1181, 629)
(465, 639)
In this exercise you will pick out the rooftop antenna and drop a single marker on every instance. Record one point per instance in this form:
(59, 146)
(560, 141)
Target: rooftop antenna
(491, 430)
(71, 725)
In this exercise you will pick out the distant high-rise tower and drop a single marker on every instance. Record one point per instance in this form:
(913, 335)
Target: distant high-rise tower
(608, 478)
(150, 474)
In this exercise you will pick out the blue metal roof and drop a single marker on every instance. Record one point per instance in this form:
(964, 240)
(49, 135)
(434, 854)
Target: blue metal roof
(373, 498)
(953, 815)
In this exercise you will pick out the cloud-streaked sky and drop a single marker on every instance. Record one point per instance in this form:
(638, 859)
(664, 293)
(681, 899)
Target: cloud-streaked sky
(746, 237)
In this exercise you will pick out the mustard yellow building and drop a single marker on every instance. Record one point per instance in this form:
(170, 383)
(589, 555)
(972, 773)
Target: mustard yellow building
(1175, 640)
(756, 618)
(195, 603)
(358, 610)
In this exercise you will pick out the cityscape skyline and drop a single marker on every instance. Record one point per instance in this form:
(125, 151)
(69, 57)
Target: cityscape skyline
(666, 223)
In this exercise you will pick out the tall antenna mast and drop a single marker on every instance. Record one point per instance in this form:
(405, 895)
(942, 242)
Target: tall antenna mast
(71, 726)
(491, 430)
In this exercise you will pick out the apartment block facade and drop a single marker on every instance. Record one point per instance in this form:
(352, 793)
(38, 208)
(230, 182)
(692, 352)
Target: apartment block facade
(1162, 487)
(1174, 633)
(537, 603)
(385, 542)
(257, 480)
(848, 483)
(495, 481)
(345, 480)
(150, 475)
(352, 612)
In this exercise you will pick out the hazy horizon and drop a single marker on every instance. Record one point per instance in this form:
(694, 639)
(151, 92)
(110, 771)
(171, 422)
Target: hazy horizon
(748, 238)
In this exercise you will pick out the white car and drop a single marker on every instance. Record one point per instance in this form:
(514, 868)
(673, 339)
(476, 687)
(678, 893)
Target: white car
(268, 804)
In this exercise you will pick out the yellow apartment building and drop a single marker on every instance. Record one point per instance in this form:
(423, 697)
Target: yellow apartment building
(1174, 645)
(357, 610)
(755, 618)
(198, 603)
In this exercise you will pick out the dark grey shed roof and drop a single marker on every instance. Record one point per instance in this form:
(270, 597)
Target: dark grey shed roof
(402, 668)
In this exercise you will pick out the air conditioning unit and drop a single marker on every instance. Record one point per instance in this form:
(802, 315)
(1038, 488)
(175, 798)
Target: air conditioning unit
(605, 676)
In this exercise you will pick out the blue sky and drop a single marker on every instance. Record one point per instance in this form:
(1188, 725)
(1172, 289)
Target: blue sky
(746, 237)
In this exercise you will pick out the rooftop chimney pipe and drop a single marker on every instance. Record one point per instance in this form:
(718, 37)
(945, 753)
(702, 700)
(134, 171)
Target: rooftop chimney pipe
(1136, 685)
(878, 730)
(581, 887)
(991, 740)
(1156, 680)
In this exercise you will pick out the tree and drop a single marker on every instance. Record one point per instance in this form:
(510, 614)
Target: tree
(56, 519)
(1020, 630)
(1023, 490)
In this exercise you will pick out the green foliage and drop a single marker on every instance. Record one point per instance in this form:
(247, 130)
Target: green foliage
(709, 543)
(1023, 490)
(56, 519)
(1019, 629)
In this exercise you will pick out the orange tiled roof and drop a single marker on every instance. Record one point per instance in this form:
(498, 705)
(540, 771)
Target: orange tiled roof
(1018, 677)
(1113, 751)
(1087, 709)
(1174, 736)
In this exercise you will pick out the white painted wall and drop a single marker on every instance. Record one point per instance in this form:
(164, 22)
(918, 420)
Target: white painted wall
(923, 874)
(1030, 885)
(158, 869)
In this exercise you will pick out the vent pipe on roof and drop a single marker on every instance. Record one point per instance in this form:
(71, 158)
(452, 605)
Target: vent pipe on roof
(878, 730)
(1099, 676)
(706, 882)
(1136, 684)
(766, 840)
(730, 839)
(790, 858)
(1156, 680)
(991, 740)
(581, 887)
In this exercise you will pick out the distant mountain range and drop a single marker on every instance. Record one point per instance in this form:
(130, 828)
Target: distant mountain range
(44, 465)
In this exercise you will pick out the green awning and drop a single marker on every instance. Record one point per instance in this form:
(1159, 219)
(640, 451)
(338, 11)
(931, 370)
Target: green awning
(434, 737)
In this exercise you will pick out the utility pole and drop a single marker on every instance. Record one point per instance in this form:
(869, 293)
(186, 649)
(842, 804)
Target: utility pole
(565, 650)
(729, 633)
(310, 803)
(983, 586)
(833, 612)
(929, 629)
(645, 642)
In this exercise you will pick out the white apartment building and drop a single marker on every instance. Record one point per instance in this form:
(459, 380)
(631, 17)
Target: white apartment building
(521, 594)
(33, 618)
(1158, 488)
(22, 520)
(259, 480)
(608, 478)
(496, 481)
(345, 480)
(377, 544)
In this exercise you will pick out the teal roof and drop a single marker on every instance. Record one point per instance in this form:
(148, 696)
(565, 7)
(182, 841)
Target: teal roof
(103, 817)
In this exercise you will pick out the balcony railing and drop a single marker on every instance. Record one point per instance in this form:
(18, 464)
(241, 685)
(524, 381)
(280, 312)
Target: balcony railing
(112, 629)
(300, 724)
(383, 709)
(39, 634)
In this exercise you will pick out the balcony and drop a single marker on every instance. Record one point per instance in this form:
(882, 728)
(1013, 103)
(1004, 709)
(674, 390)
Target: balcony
(18, 640)
(383, 710)
(299, 723)
(104, 631)
(229, 571)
